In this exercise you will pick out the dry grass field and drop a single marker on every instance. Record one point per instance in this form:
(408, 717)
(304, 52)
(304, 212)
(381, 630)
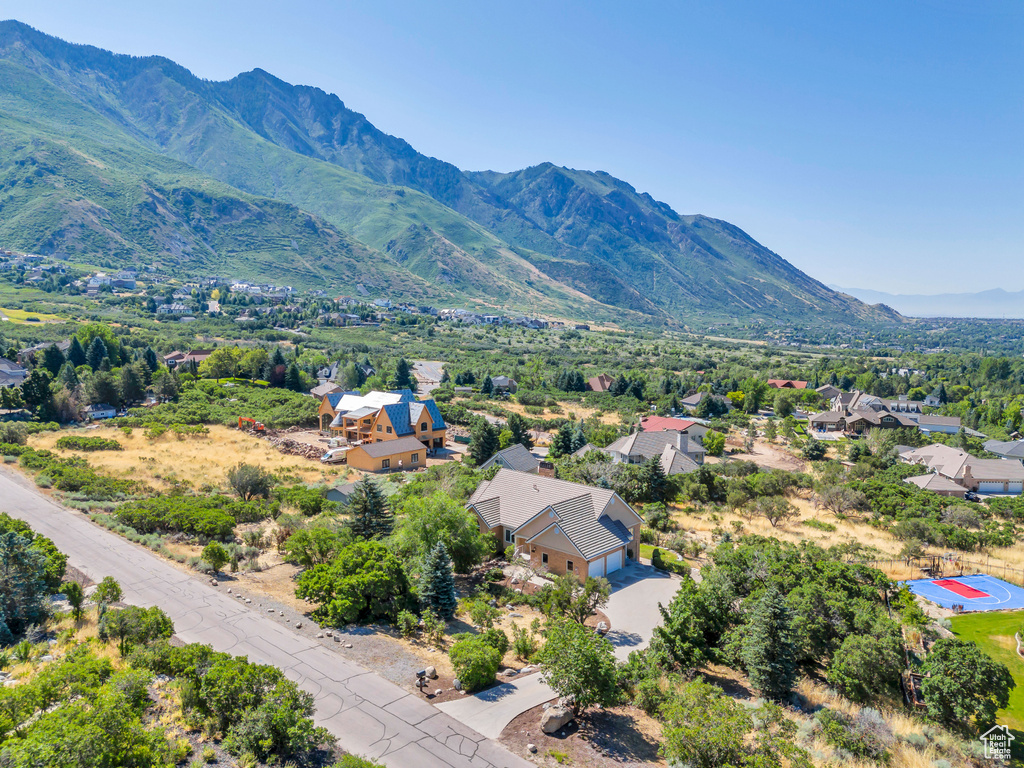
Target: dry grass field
(192, 462)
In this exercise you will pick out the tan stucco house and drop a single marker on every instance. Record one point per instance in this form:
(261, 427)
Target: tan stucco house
(560, 527)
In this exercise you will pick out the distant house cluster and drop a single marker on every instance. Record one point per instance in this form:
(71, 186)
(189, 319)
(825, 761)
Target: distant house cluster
(857, 412)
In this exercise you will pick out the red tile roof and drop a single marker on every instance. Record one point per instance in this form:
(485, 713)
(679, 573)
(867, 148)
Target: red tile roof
(787, 384)
(663, 423)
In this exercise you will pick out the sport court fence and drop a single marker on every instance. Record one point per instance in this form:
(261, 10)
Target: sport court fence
(908, 570)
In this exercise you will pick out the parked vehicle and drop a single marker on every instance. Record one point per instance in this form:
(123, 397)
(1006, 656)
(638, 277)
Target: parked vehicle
(335, 456)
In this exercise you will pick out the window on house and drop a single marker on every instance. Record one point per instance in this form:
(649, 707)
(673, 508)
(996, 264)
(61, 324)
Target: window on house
(508, 536)
(389, 430)
(568, 566)
(423, 427)
(415, 458)
(544, 558)
(380, 428)
(385, 464)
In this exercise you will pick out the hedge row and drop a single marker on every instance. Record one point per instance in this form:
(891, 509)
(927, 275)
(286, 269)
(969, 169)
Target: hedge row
(210, 517)
(82, 443)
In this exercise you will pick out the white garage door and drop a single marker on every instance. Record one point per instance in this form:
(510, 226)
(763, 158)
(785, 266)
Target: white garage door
(614, 561)
(596, 569)
(990, 487)
(1016, 488)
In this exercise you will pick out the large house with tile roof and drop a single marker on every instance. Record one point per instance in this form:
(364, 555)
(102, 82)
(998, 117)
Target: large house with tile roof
(676, 452)
(382, 416)
(692, 429)
(558, 526)
(995, 476)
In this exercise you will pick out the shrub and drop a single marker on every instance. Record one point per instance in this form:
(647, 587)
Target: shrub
(474, 660)
(524, 644)
(820, 525)
(497, 639)
(83, 443)
(364, 583)
(408, 622)
(865, 736)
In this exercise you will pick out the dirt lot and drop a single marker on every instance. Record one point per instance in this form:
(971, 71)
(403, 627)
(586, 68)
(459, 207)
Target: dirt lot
(768, 456)
(621, 736)
(193, 462)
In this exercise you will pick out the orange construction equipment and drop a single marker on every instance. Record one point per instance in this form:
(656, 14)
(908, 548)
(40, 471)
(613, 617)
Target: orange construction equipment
(251, 424)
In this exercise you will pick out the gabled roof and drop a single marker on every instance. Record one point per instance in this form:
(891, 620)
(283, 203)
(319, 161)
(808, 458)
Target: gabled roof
(511, 498)
(391, 447)
(1011, 449)
(515, 457)
(787, 384)
(398, 415)
(939, 458)
(590, 533)
(600, 383)
(995, 469)
(675, 462)
(663, 423)
(926, 420)
(650, 444)
(936, 483)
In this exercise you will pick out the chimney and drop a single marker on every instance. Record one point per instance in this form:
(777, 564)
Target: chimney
(679, 441)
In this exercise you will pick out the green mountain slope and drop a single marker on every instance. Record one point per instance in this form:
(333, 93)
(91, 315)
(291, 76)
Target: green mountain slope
(544, 239)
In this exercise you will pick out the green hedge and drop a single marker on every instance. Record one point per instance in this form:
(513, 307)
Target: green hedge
(82, 443)
(210, 517)
(671, 564)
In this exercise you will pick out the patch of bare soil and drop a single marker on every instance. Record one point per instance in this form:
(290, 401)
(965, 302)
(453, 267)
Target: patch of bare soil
(620, 736)
(772, 457)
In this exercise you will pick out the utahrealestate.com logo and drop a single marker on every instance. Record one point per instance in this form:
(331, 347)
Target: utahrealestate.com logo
(997, 742)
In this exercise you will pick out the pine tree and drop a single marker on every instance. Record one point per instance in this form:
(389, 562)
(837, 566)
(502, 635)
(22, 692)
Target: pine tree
(769, 652)
(293, 378)
(484, 442)
(562, 444)
(53, 359)
(438, 586)
(371, 516)
(579, 438)
(97, 354)
(654, 481)
(487, 388)
(75, 353)
(516, 424)
(149, 356)
(403, 376)
(274, 371)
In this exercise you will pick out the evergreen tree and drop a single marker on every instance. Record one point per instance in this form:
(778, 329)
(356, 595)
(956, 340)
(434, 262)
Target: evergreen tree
(579, 438)
(403, 376)
(487, 388)
(22, 582)
(516, 424)
(130, 385)
(372, 517)
(484, 442)
(97, 353)
(562, 444)
(438, 586)
(293, 378)
(75, 353)
(53, 359)
(276, 368)
(149, 356)
(652, 477)
(770, 650)
(943, 397)
(36, 391)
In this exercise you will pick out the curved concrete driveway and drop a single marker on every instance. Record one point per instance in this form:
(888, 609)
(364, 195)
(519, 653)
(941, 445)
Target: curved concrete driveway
(488, 712)
(369, 715)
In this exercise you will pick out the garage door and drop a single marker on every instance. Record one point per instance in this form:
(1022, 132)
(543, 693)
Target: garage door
(990, 487)
(614, 561)
(596, 569)
(1016, 488)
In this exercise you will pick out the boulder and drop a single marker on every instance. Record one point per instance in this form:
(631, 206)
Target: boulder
(298, 625)
(431, 673)
(602, 627)
(457, 684)
(555, 718)
(532, 747)
(438, 692)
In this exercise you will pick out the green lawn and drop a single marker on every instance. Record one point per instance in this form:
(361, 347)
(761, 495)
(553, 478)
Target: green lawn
(993, 634)
(647, 550)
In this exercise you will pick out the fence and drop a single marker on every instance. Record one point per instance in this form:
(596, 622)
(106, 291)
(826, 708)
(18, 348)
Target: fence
(906, 570)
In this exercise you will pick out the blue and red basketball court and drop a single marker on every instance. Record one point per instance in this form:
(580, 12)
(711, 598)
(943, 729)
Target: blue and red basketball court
(973, 593)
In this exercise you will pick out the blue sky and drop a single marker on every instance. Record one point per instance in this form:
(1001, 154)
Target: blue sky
(873, 144)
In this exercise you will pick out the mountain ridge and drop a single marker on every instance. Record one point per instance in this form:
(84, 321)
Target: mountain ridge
(560, 239)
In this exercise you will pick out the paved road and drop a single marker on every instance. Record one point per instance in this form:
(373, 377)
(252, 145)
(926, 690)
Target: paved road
(490, 711)
(369, 715)
(428, 373)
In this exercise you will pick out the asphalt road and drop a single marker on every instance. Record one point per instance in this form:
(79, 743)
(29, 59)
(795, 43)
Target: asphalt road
(369, 715)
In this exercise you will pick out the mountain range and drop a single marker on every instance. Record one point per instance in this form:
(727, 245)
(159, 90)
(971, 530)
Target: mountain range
(993, 303)
(113, 159)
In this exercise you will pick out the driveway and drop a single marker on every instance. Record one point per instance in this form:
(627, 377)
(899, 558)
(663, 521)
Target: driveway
(488, 712)
(369, 715)
(633, 606)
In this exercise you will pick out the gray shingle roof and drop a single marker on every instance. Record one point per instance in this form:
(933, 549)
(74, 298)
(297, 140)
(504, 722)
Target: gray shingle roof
(936, 483)
(521, 496)
(591, 535)
(1011, 448)
(675, 462)
(516, 457)
(391, 447)
(650, 444)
